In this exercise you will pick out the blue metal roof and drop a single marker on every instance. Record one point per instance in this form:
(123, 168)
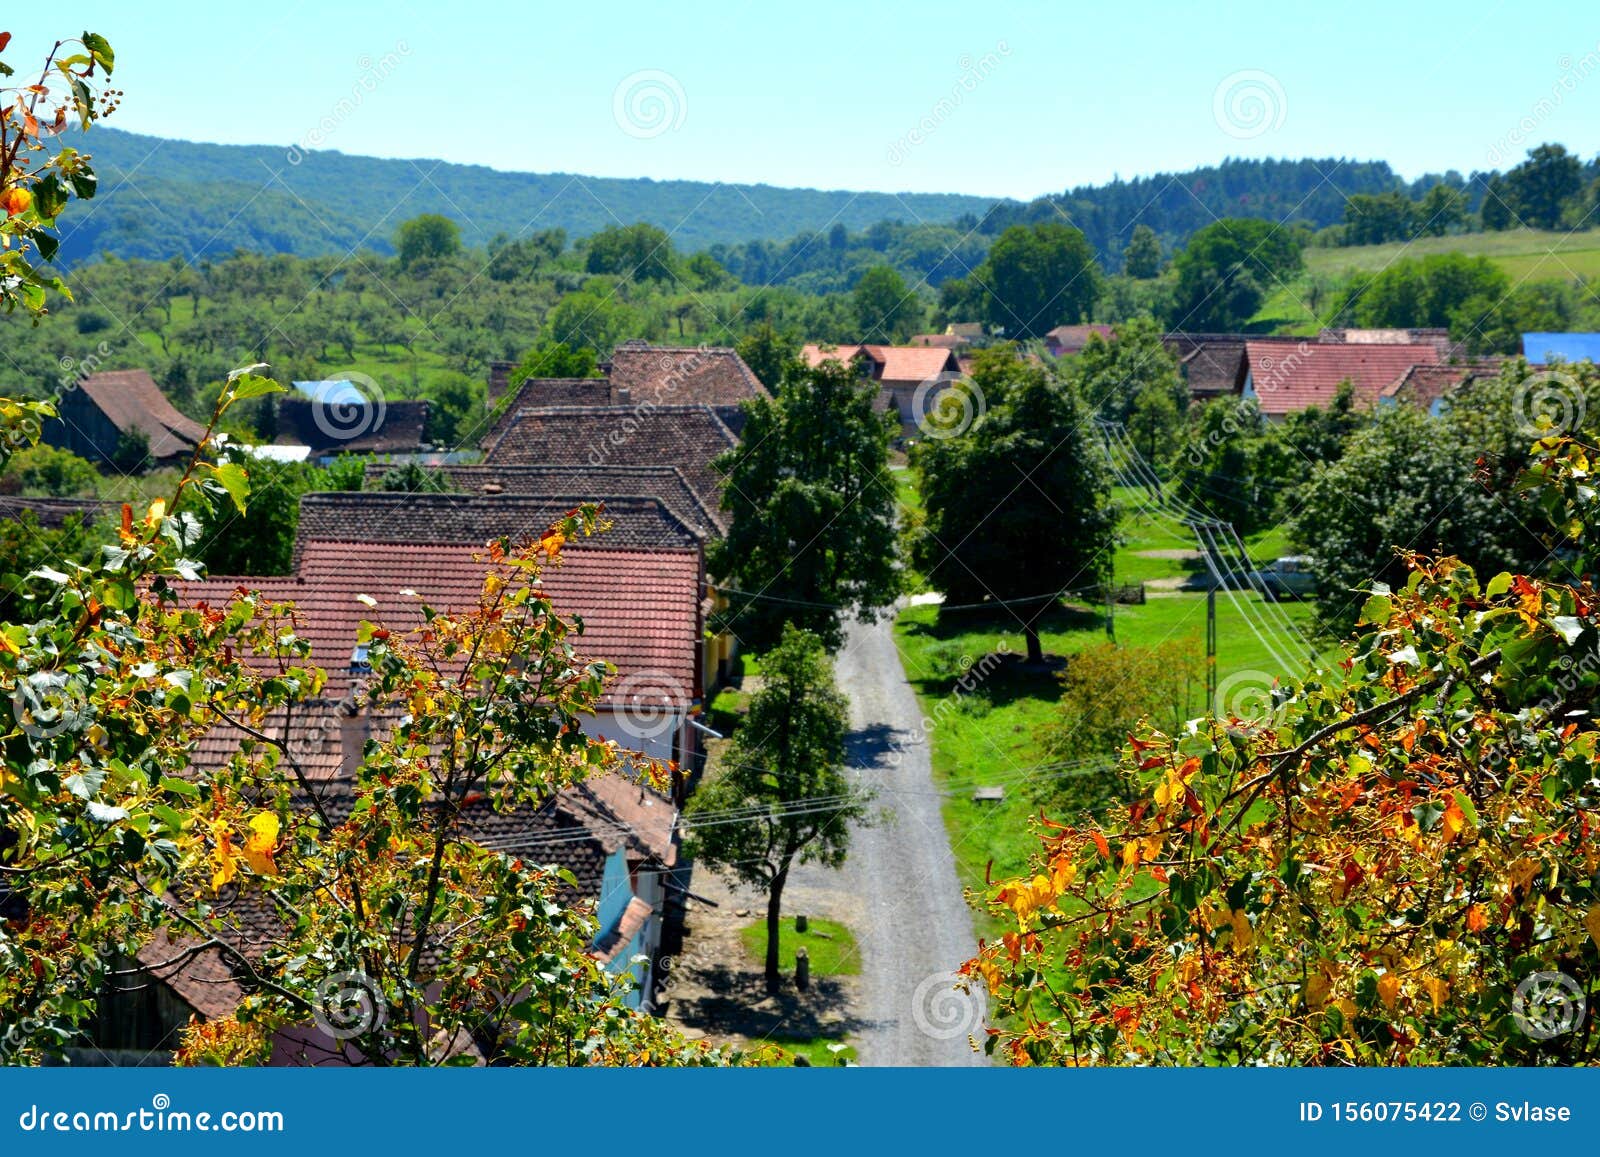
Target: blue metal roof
(1569, 347)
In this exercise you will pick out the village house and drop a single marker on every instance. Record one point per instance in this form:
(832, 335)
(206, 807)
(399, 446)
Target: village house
(108, 416)
(1064, 341)
(326, 427)
(1284, 377)
(687, 437)
(638, 374)
(908, 377)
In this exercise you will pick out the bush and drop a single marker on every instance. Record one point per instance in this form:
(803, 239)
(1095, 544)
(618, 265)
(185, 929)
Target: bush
(1107, 691)
(47, 470)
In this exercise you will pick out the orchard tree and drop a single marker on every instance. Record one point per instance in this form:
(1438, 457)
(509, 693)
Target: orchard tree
(767, 352)
(783, 777)
(1393, 865)
(1112, 375)
(1018, 506)
(813, 536)
(1541, 187)
(425, 238)
(639, 252)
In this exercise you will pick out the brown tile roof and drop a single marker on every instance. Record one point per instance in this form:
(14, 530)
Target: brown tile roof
(682, 375)
(640, 608)
(539, 392)
(132, 401)
(1424, 385)
(472, 519)
(948, 341)
(634, 917)
(1212, 368)
(687, 437)
(1437, 337)
(51, 513)
(1072, 338)
(1288, 378)
(601, 483)
(392, 428)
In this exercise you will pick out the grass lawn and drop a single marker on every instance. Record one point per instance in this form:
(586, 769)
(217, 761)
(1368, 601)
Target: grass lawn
(1524, 254)
(833, 952)
(830, 946)
(991, 735)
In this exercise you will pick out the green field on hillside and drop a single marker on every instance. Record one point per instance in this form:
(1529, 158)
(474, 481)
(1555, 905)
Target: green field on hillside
(1524, 254)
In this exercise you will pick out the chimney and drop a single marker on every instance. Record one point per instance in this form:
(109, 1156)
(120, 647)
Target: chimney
(621, 396)
(499, 382)
(354, 728)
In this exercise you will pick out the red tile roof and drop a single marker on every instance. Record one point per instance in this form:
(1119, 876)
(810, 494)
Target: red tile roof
(1424, 385)
(1288, 378)
(640, 609)
(895, 364)
(1072, 338)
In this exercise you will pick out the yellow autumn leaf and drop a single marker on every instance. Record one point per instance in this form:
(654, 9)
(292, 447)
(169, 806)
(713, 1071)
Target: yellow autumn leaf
(1591, 921)
(1389, 989)
(258, 845)
(157, 511)
(1130, 854)
(1438, 991)
(1243, 934)
(224, 860)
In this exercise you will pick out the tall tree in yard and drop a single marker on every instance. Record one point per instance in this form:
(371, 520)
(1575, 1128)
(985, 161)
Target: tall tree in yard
(1037, 277)
(813, 534)
(784, 771)
(1019, 505)
(887, 310)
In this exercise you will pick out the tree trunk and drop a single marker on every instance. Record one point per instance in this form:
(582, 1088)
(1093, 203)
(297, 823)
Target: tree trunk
(774, 915)
(1035, 651)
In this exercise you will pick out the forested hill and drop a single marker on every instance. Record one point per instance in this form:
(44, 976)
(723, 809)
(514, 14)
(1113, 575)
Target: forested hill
(1177, 204)
(164, 198)
(188, 199)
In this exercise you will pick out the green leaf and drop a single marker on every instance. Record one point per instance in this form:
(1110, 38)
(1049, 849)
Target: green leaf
(105, 813)
(1569, 627)
(1498, 585)
(49, 195)
(1377, 609)
(100, 50)
(235, 480)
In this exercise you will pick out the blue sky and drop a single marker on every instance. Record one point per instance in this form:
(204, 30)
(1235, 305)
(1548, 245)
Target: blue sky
(986, 96)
